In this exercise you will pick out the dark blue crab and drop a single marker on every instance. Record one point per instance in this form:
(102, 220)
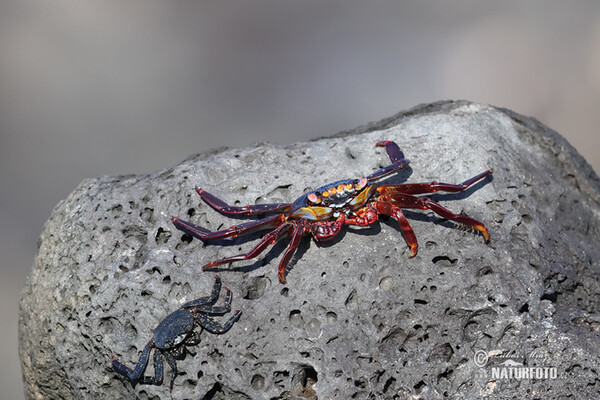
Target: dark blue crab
(177, 330)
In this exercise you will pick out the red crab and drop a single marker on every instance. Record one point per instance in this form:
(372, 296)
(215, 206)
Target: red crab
(324, 211)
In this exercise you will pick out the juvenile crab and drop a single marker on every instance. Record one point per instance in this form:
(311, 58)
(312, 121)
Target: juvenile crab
(177, 330)
(324, 211)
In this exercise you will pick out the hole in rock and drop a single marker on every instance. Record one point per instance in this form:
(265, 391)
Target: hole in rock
(257, 288)
(444, 261)
(162, 236)
(524, 308)
(304, 378)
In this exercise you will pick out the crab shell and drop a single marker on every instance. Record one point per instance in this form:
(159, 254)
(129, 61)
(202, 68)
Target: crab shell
(174, 329)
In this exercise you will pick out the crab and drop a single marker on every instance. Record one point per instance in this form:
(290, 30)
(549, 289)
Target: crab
(177, 330)
(324, 211)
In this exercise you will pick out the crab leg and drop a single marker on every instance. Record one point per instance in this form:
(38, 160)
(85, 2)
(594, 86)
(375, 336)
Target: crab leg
(211, 309)
(135, 374)
(387, 208)
(209, 300)
(157, 379)
(297, 235)
(173, 365)
(403, 200)
(235, 230)
(214, 310)
(269, 239)
(368, 215)
(214, 327)
(396, 156)
(431, 187)
(225, 208)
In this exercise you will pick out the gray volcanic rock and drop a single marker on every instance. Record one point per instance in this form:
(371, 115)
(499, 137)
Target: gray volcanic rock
(358, 318)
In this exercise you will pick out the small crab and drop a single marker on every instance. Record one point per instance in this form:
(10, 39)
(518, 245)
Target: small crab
(324, 211)
(177, 330)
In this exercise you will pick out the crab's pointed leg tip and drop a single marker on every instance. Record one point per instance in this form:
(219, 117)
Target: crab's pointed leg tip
(199, 189)
(486, 235)
(382, 143)
(413, 252)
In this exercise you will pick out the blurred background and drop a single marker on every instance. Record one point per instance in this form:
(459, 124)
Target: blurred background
(110, 87)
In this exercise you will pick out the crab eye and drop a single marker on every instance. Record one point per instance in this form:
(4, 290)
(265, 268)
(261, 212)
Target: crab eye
(362, 183)
(313, 198)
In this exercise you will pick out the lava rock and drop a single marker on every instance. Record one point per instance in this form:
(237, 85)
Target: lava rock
(357, 318)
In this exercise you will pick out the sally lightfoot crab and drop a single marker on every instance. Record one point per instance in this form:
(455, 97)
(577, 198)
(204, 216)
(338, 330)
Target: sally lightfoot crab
(324, 211)
(177, 330)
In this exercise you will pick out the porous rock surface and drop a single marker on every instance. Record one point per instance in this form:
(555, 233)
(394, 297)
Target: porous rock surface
(358, 318)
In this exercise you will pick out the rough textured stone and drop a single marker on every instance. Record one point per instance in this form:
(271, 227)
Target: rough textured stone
(358, 318)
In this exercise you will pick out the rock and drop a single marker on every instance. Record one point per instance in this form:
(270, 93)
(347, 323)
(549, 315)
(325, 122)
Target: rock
(357, 318)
